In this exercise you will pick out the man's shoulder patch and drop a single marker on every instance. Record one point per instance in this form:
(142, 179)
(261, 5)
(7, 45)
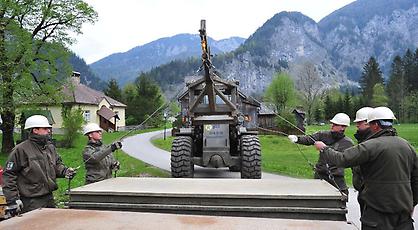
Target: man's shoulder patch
(10, 165)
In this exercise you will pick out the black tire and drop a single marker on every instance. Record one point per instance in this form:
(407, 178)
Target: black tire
(250, 157)
(182, 157)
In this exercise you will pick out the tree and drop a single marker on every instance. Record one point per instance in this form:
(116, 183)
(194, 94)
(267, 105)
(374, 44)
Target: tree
(370, 77)
(148, 98)
(281, 92)
(112, 90)
(318, 114)
(379, 97)
(411, 107)
(329, 107)
(347, 105)
(33, 34)
(310, 86)
(397, 88)
(72, 122)
(410, 67)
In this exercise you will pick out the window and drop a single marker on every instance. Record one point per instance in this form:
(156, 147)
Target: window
(86, 115)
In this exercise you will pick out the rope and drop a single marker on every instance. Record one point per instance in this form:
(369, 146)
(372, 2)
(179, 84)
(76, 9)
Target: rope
(300, 150)
(330, 176)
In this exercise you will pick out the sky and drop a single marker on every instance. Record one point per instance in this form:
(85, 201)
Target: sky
(125, 24)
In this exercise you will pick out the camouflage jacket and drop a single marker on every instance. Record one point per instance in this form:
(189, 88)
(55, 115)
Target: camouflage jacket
(338, 144)
(32, 169)
(98, 159)
(389, 165)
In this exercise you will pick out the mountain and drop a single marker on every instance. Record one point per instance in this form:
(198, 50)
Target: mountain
(126, 66)
(364, 28)
(284, 43)
(339, 46)
(86, 74)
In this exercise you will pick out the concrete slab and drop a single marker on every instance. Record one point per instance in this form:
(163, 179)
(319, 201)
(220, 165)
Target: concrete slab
(298, 198)
(190, 187)
(67, 219)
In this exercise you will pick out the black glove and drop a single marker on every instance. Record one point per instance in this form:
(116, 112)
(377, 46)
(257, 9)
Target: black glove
(70, 173)
(116, 165)
(14, 208)
(116, 145)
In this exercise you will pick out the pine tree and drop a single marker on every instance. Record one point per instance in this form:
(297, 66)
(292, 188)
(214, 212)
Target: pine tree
(147, 99)
(112, 90)
(408, 67)
(339, 105)
(347, 107)
(397, 88)
(328, 107)
(371, 76)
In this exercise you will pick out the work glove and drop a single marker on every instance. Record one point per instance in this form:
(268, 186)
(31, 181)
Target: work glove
(15, 208)
(293, 138)
(70, 173)
(116, 145)
(116, 165)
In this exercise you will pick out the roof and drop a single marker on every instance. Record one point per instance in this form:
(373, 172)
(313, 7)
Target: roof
(267, 109)
(82, 94)
(107, 113)
(299, 111)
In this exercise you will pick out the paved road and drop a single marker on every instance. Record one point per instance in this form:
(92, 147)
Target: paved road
(140, 147)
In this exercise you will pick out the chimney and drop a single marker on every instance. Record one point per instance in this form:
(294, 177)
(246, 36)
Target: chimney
(75, 78)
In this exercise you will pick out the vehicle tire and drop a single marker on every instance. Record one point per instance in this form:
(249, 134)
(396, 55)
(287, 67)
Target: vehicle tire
(182, 157)
(250, 157)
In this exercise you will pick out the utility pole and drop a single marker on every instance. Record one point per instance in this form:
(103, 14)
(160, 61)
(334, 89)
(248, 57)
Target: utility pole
(165, 123)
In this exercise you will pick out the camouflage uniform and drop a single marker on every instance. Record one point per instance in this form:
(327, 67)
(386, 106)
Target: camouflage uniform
(99, 161)
(389, 166)
(337, 141)
(31, 172)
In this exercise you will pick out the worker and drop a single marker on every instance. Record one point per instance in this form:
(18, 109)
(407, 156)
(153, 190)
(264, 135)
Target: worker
(337, 140)
(32, 168)
(363, 131)
(98, 158)
(389, 167)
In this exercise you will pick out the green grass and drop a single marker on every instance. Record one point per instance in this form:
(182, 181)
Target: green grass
(280, 156)
(163, 144)
(130, 167)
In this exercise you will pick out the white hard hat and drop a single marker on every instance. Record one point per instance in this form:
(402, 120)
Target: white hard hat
(341, 119)
(91, 127)
(37, 121)
(362, 114)
(380, 113)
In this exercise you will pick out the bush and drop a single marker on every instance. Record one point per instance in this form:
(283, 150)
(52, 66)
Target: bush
(72, 122)
(285, 126)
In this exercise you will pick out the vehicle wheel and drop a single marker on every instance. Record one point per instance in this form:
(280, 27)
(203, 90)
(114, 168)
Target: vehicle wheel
(250, 157)
(182, 157)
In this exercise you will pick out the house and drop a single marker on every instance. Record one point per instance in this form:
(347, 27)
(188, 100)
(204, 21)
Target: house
(96, 106)
(300, 118)
(267, 116)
